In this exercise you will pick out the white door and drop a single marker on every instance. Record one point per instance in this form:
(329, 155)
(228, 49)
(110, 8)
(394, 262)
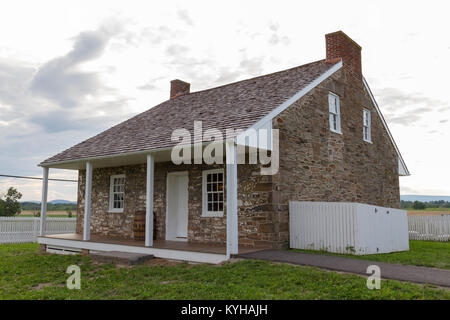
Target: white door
(177, 206)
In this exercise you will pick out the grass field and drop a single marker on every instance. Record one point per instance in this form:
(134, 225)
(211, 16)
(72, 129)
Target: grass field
(421, 253)
(26, 274)
(428, 209)
(54, 214)
(427, 212)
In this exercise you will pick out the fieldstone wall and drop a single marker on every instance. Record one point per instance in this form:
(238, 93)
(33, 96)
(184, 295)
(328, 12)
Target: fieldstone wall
(254, 195)
(319, 165)
(315, 165)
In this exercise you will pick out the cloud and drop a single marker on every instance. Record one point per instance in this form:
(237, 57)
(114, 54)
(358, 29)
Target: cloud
(205, 71)
(148, 86)
(275, 37)
(403, 119)
(405, 108)
(62, 81)
(393, 99)
(405, 190)
(227, 76)
(63, 120)
(48, 108)
(156, 35)
(253, 66)
(177, 51)
(184, 16)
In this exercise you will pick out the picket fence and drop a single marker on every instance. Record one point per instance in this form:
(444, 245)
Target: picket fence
(434, 228)
(19, 230)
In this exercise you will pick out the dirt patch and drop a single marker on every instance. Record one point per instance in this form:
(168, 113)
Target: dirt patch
(161, 262)
(167, 282)
(232, 260)
(41, 286)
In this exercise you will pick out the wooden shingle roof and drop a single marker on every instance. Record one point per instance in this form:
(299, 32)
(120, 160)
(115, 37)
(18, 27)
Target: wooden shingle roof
(237, 105)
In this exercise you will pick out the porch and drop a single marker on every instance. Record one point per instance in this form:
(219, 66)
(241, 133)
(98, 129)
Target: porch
(71, 243)
(163, 196)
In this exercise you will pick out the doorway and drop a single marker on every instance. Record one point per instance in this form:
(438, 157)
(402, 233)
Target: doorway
(177, 206)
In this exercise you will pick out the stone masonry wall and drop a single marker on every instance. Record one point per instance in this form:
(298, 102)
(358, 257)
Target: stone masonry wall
(255, 217)
(319, 165)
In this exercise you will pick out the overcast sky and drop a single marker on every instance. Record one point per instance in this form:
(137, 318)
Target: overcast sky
(70, 69)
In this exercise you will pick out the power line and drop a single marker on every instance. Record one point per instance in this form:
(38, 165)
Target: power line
(35, 178)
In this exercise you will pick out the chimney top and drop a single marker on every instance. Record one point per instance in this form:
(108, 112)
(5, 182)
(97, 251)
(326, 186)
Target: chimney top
(178, 88)
(339, 45)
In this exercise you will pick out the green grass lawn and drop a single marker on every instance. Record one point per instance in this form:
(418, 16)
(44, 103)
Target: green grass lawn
(26, 274)
(421, 253)
(48, 216)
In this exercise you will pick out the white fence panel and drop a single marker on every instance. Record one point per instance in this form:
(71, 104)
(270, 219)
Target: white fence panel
(434, 228)
(347, 227)
(19, 230)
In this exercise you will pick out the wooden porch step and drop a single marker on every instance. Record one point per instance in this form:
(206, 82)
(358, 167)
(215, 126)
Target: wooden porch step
(117, 257)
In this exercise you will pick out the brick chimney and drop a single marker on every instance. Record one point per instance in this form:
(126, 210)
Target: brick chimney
(178, 88)
(339, 45)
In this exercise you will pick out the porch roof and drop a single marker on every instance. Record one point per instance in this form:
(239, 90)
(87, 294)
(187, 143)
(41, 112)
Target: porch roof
(234, 106)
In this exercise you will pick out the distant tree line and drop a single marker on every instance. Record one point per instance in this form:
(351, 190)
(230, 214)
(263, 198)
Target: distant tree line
(31, 206)
(419, 205)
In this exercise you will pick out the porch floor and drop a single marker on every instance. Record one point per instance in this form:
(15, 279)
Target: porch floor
(159, 244)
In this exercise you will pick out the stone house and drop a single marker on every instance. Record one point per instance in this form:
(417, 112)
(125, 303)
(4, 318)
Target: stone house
(333, 145)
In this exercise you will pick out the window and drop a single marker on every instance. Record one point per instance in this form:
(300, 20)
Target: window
(367, 135)
(335, 112)
(213, 193)
(116, 193)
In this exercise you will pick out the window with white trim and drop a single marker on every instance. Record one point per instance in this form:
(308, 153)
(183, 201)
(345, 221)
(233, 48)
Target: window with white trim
(213, 193)
(367, 134)
(335, 112)
(116, 193)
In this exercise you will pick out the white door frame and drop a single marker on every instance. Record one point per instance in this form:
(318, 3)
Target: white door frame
(170, 174)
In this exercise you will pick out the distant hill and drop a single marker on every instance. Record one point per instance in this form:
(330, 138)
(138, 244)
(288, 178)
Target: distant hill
(55, 205)
(62, 202)
(52, 202)
(423, 198)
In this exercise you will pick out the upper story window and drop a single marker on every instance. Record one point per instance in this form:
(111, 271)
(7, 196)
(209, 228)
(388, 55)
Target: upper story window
(367, 125)
(335, 112)
(213, 190)
(116, 193)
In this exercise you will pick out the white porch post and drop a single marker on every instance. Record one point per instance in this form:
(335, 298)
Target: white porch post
(149, 201)
(44, 201)
(87, 203)
(232, 210)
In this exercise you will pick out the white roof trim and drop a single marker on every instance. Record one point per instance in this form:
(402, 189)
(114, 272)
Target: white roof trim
(402, 169)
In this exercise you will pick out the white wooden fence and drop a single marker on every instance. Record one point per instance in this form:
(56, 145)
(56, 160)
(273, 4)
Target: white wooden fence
(435, 228)
(18, 229)
(353, 228)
